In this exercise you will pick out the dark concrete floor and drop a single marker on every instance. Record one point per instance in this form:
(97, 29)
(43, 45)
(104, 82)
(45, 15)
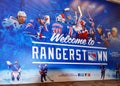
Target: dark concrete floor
(76, 83)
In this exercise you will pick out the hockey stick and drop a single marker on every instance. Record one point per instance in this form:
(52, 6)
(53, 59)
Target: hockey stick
(80, 11)
(50, 78)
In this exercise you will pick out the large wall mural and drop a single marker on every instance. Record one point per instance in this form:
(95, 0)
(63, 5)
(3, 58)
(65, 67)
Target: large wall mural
(54, 41)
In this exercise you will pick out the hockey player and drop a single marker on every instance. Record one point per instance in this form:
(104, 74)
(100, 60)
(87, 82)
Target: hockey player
(57, 28)
(13, 23)
(43, 72)
(115, 37)
(80, 28)
(117, 71)
(66, 18)
(91, 28)
(102, 67)
(16, 70)
(38, 27)
(21, 17)
(101, 37)
(61, 17)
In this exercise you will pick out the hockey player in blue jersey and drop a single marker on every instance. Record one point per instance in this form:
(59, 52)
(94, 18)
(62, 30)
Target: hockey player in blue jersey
(101, 37)
(16, 70)
(43, 72)
(39, 27)
(68, 19)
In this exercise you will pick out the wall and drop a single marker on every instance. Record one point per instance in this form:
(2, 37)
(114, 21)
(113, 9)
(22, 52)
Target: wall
(75, 40)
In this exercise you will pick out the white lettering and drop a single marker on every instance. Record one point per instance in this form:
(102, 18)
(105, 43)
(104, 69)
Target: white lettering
(43, 53)
(84, 54)
(60, 38)
(50, 53)
(78, 55)
(35, 52)
(71, 51)
(100, 55)
(64, 54)
(58, 55)
(56, 36)
(104, 56)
